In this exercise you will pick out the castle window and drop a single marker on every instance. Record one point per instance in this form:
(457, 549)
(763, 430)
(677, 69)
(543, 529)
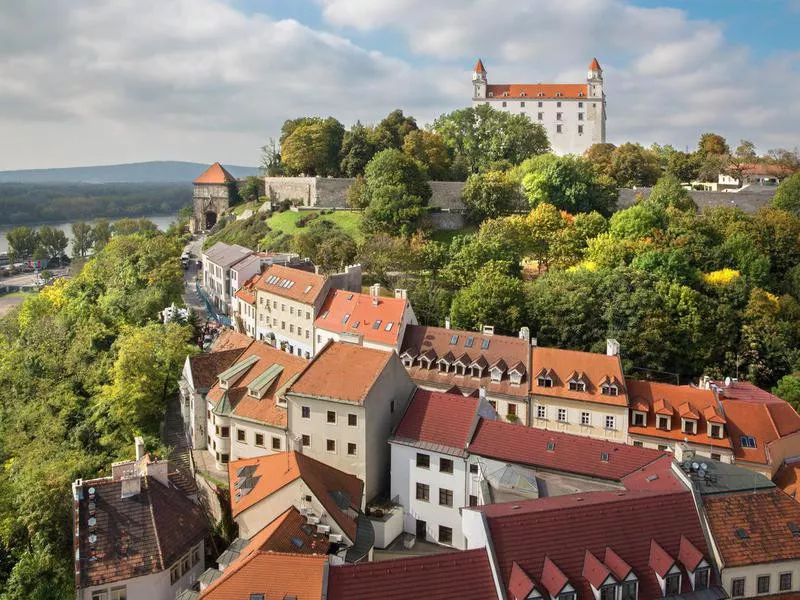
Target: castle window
(580, 95)
(522, 104)
(541, 104)
(491, 94)
(523, 94)
(558, 104)
(540, 94)
(580, 116)
(580, 129)
(541, 115)
(558, 95)
(558, 116)
(580, 104)
(505, 94)
(559, 129)
(504, 103)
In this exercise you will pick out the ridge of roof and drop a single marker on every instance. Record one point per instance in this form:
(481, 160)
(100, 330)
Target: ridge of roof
(595, 65)
(215, 174)
(479, 68)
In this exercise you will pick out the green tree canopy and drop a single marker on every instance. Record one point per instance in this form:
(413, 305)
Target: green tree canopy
(489, 195)
(358, 148)
(22, 242)
(634, 166)
(712, 143)
(313, 147)
(493, 298)
(429, 150)
(668, 191)
(81, 239)
(787, 196)
(52, 241)
(326, 244)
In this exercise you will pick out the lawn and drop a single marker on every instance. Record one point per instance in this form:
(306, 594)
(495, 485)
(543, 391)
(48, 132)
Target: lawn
(286, 222)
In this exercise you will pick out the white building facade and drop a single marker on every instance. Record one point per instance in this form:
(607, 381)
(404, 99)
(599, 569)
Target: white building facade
(572, 114)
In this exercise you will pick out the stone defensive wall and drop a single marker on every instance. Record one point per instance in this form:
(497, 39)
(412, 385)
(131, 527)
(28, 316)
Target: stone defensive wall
(748, 201)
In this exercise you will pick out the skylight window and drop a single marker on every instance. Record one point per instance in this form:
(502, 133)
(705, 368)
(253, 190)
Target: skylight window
(453, 340)
(485, 344)
(794, 528)
(604, 456)
(325, 314)
(345, 318)
(350, 297)
(551, 446)
(742, 534)
(377, 324)
(308, 289)
(389, 326)
(748, 441)
(469, 342)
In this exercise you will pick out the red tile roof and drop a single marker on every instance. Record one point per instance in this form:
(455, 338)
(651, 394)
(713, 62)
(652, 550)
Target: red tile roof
(594, 571)
(568, 91)
(298, 575)
(519, 584)
(754, 528)
(566, 527)
(247, 291)
(325, 375)
(485, 350)
(766, 421)
(595, 65)
(788, 478)
(264, 409)
(292, 284)
(434, 577)
(570, 454)
(479, 67)
(438, 418)
(275, 471)
(228, 339)
(134, 536)
(616, 565)
(689, 555)
(206, 367)
(553, 578)
(691, 402)
(215, 174)
(660, 561)
(561, 365)
(286, 534)
(379, 323)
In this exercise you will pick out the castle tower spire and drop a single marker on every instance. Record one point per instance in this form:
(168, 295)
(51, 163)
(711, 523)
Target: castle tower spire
(479, 81)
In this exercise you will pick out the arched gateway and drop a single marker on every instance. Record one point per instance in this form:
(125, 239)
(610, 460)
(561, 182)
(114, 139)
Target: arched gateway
(214, 191)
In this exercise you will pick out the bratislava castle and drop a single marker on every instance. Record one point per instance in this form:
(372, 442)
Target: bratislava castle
(573, 114)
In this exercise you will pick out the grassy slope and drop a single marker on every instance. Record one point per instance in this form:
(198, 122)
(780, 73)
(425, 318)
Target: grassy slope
(286, 222)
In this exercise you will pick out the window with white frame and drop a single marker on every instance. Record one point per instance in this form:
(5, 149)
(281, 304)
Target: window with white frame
(577, 386)
(689, 426)
(544, 381)
(609, 389)
(662, 422)
(611, 422)
(629, 590)
(701, 578)
(100, 595)
(119, 592)
(672, 584)
(562, 415)
(639, 418)
(541, 412)
(586, 418)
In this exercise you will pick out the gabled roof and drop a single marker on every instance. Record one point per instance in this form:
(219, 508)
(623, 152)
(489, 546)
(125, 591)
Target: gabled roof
(571, 453)
(379, 323)
(445, 576)
(247, 291)
(324, 376)
(206, 367)
(594, 571)
(766, 420)
(287, 533)
(226, 255)
(594, 65)
(479, 68)
(693, 403)
(563, 364)
(689, 555)
(660, 561)
(215, 174)
(553, 578)
(435, 342)
(438, 418)
(298, 575)
(293, 284)
(616, 565)
(275, 471)
(134, 536)
(534, 91)
(754, 528)
(788, 478)
(519, 584)
(265, 360)
(566, 527)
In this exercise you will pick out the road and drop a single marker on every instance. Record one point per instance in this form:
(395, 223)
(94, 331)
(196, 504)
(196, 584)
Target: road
(190, 296)
(29, 279)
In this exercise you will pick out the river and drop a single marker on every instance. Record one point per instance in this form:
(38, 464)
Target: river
(161, 221)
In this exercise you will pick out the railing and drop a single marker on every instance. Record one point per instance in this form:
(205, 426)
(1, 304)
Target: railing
(222, 320)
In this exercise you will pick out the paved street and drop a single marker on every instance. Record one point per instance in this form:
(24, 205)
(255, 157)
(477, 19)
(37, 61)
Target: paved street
(190, 296)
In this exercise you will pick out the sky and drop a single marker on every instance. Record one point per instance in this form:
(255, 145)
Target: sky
(107, 81)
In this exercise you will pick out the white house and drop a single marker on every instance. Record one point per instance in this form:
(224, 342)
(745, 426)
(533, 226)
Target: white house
(217, 263)
(572, 114)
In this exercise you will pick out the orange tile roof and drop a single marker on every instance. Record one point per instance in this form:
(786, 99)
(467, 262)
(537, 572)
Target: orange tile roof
(215, 174)
(298, 575)
(277, 537)
(788, 478)
(754, 528)
(290, 283)
(693, 403)
(343, 372)
(379, 323)
(568, 91)
(595, 65)
(228, 339)
(247, 291)
(275, 471)
(766, 421)
(563, 363)
(479, 67)
(264, 409)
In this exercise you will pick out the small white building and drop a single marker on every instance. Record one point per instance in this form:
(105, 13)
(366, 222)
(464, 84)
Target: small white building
(572, 114)
(217, 275)
(136, 537)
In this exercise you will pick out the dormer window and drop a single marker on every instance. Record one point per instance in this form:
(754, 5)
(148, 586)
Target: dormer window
(515, 377)
(559, 94)
(540, 94)
(497, 374)
(715, 431)
(663, 422)
(702, 576)
(545, 382)
(523, 94)
(609, 389)
(689, 426)
(505, 94)
(639, 418)
(672, 584)
(444, 366)
(581, 94)
(491, 94)
(577, 386)
(477, 371)
(629, 590)
(461, 369)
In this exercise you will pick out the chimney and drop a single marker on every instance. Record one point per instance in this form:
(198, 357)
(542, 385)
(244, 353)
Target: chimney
(482, 393)
(131, 485)
(705, 382)
(534, 342)
(525, 333)
(375, 293)
(139, 443)
(400, 294)
(612, 347)
(158, 470)
(488, 330)
(447, 322)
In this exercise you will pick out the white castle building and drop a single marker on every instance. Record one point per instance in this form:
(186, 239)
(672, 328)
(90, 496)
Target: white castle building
(573, 114)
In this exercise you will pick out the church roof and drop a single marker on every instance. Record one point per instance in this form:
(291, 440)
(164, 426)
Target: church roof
(595, 66)
(479, 67)
(216, 173)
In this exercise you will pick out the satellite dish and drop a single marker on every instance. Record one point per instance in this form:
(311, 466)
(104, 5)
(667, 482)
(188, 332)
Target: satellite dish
(695, 466)
(727, 382)
(93, 539)
(703, 466)
(91, 491)
(92, 521)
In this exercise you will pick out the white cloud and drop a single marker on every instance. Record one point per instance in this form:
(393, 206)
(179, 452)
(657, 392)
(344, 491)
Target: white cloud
(97, 81)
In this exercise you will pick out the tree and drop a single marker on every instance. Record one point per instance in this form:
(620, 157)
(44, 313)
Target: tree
(601, 156)
(53, 242)
(358, 148)
(101, 233)
(392, 130)
(326, 244)
(22, 242)
(313, 147)
(481, 136)
(683, 166)
(712, 143)
(744, 155)
(788, 388)
(668, 191)
(787, 196)
(271, 165)
(546, 227)
(397, 194)
(81, 239)
(133, 226)
(493, 298)
(641, 220)
(252, 189)
(569, 183)
(357, 194)
(711, 166)
(633, 166)
(429, 150)
(489, 195)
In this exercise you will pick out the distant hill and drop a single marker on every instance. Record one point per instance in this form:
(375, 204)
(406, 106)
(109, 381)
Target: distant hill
(144, 172)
